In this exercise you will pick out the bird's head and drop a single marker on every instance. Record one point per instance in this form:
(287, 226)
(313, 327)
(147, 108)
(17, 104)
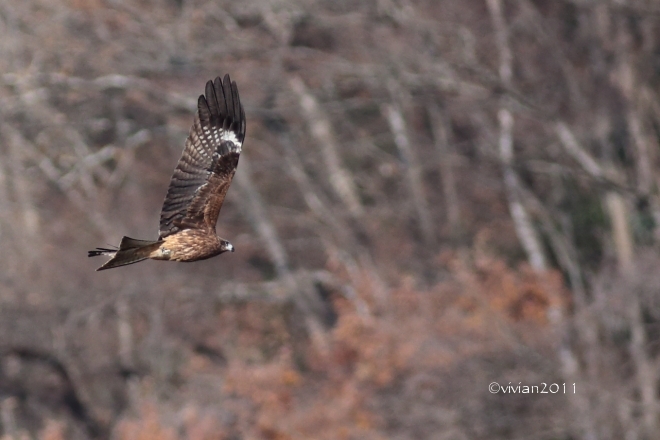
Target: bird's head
(226, 246)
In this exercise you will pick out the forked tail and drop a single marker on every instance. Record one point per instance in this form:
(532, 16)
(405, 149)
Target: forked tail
(130, 251)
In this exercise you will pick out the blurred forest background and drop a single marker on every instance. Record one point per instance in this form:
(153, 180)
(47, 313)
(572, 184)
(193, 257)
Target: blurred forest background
(433, 195)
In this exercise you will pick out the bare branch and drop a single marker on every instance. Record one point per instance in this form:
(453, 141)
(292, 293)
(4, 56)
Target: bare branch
(572, 146)
(439, 125)
(322, 131)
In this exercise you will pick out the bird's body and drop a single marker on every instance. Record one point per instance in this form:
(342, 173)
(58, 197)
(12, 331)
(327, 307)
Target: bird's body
(198, 186)
(190, 245)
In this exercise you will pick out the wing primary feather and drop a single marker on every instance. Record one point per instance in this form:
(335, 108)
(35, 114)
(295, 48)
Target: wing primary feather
(224, 107)
(230, 108)
(212, 99)
(203, 110)
(243, 125)
(236, 101)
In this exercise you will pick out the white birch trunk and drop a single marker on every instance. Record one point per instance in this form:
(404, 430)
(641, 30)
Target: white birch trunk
(413, 171)
(522, 222)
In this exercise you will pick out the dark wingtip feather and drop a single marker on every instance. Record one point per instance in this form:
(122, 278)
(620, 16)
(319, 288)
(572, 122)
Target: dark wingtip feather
(222, 99)
(222, 102)
(229, 101)
(203, 110)
(237, 102)
(213, 102)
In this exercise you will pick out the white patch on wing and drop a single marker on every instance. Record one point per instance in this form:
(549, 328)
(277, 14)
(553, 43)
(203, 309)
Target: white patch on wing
(231, 137)
(217, 136)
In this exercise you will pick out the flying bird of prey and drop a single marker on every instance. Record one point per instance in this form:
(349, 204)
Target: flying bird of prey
(198, 187)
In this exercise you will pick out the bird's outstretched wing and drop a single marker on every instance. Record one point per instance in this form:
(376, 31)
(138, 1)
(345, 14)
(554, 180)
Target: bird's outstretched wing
(204, 172)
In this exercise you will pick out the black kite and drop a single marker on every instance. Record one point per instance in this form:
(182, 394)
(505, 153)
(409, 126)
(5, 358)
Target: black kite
(198, 187)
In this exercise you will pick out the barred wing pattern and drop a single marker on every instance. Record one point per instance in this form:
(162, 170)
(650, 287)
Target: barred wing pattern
(208, 163)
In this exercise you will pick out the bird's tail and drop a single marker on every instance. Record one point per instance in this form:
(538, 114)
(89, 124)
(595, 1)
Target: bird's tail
(130, 251)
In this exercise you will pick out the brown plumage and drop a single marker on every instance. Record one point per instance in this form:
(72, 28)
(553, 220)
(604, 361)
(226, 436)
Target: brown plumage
(198, 186)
